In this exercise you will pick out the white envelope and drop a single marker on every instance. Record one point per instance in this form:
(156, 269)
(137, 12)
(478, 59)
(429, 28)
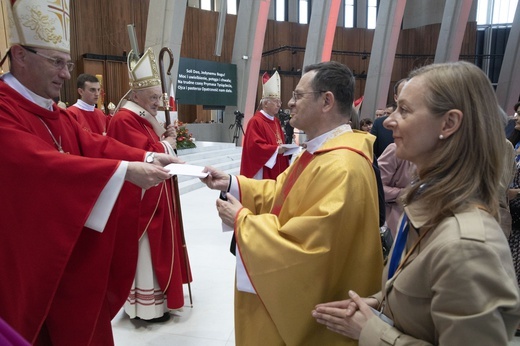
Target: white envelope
(185, 169)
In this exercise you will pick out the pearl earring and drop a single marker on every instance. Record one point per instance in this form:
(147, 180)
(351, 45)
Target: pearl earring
(441, 137)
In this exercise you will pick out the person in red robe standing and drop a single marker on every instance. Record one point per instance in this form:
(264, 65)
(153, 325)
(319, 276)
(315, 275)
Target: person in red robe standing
(162, 263)
(67, 259)
(111, 110)
(84, 110)
(262, 151)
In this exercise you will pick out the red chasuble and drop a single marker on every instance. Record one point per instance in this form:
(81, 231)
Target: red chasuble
(158, 210)
(61, 283)
(261, 139)
(96, 121)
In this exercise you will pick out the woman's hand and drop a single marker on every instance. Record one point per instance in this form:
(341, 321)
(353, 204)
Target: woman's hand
(346, 317)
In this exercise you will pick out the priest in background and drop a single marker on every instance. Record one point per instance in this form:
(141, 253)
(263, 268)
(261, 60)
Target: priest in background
(84, 110)
(262, 151)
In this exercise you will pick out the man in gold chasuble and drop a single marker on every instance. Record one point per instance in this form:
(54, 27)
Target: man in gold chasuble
(312, 234)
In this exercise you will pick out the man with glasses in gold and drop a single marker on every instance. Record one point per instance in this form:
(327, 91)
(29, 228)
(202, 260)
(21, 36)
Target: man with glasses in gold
(67, 258)
(313, 231)
(262, 151)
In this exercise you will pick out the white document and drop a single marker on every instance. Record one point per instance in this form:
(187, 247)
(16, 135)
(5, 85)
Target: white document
(226, 228)
(185, 169)
(291, 149)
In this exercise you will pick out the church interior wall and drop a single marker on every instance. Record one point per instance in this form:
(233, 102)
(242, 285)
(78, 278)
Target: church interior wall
(99, 28)
(419, 13)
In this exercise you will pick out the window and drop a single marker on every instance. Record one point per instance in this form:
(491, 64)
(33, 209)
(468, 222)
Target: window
(280, 10)
(232, 7)
(371, 14)
(349, 13)
(193, 3)
(304, 12)
(494, 19)
(496, 11)
(206, 5)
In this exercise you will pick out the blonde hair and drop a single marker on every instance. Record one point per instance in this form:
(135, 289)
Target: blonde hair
(466, 167)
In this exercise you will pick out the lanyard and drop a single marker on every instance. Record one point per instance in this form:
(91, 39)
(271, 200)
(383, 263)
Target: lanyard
(400, 243)
(395, 263)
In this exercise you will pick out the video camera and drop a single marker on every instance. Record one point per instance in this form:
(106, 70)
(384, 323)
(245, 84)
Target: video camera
(238, 122)
(283, 116)
(238, 115)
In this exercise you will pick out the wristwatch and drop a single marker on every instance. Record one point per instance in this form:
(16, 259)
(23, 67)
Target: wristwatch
(150, 157)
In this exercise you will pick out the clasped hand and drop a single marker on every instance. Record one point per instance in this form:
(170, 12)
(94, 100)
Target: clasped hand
(346, 317)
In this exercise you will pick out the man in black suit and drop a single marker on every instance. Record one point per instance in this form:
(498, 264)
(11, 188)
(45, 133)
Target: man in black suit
(383, 135)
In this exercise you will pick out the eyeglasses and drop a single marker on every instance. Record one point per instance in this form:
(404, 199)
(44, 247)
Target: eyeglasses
(297, 95)
(58, 63)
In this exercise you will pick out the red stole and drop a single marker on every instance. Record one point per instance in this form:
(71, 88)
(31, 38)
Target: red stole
(299, 167)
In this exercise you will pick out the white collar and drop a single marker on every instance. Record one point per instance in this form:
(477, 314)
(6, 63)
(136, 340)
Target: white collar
(316, 143)
(270, 117)
(14, 83)
(143, 113)
(84, 106)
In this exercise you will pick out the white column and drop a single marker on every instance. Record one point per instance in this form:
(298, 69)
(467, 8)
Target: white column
(322, 28)
(508, 87)
(247, 54)
(165, 27)
(382, 58)
(454, 21)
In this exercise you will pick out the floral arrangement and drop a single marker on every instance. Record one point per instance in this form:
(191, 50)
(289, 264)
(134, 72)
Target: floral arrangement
(184, 138)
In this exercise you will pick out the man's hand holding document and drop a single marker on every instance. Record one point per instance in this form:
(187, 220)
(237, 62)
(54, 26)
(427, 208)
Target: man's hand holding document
(185, 169)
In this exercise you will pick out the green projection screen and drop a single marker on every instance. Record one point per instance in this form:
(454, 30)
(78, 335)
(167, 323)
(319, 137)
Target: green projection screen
(202, 82)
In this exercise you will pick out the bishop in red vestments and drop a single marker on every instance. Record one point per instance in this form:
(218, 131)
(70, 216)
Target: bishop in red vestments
(161, 251)
(60, 247)
(262, 152)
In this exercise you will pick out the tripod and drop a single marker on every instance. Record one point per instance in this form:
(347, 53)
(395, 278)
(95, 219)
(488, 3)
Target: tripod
(238, 123)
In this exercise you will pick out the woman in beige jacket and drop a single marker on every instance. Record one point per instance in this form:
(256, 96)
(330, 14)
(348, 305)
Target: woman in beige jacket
(450, 278)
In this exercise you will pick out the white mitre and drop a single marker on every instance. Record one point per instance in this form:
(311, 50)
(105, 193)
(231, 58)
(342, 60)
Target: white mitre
(271, 88)
(143, 73)
(40, 24)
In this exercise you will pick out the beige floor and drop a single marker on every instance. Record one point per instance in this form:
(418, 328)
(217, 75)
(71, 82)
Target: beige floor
(210, 321)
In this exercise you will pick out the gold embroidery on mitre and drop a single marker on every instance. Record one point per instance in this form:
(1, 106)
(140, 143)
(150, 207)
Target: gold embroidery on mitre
(61, 10)
(144, 72)
(41, 25)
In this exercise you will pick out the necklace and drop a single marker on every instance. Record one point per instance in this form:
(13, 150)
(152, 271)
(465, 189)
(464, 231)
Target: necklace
(277, 135)
(57, 143)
